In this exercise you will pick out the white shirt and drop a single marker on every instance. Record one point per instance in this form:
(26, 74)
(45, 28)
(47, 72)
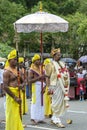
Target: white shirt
(80, 75)
(1, 75)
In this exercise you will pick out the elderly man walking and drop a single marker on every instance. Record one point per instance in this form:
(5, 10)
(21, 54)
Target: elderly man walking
(58, 86)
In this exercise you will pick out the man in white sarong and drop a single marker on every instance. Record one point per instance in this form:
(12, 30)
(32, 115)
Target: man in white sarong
(34, 77)
(58, 82)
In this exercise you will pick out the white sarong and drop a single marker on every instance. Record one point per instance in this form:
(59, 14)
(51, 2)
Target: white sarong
(37, 110)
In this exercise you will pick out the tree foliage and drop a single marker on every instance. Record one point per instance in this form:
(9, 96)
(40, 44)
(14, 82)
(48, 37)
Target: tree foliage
(68, 7)
(5, 49)
(9, 12)
(74, 11)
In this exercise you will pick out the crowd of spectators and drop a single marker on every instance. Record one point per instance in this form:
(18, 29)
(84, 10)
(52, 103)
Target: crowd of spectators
(78, 79)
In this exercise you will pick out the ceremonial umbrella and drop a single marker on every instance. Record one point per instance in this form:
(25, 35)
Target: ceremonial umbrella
(68, 60)
(41, 22)
(83, 59)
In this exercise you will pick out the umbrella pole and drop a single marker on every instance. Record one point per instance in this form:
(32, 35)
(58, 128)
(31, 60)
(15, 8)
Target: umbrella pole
(41, 49)
(24, 79)
(18, 74)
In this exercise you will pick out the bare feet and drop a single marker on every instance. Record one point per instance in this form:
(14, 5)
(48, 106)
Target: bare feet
(34, 122)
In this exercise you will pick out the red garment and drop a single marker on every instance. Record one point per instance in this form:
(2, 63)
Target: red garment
(72, 74)
(80, 86)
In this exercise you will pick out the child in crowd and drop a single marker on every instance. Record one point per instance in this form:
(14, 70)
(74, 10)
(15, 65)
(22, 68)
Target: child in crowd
(81, 90)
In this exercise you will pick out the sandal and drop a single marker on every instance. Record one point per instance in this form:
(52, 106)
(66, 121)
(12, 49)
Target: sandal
(52, 122)
(42, 122)
(24, 125)
(60, 125)
(69, 121)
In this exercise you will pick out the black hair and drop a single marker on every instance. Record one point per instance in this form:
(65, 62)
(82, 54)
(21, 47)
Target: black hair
(1, 64)
(80, 63)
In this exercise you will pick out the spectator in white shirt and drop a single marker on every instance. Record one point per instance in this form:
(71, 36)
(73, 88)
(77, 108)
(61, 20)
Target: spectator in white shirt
(80, 73)
(1, 78)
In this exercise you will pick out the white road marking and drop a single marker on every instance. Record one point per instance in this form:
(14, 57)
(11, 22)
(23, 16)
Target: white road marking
(81, 112)
(39, 127)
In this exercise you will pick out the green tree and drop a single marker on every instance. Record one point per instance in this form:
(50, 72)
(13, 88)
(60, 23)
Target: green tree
(68, 7)
(9, 13)
(5, 49)
(83, 7)
(74, 11)
(82, 33)
(22, 2)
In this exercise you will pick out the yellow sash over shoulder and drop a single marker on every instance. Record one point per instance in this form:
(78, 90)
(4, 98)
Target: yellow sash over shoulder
(13, 120)
(33, 93)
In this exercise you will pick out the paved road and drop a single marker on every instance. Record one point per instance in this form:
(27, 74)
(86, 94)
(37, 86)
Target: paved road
(77, 112)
